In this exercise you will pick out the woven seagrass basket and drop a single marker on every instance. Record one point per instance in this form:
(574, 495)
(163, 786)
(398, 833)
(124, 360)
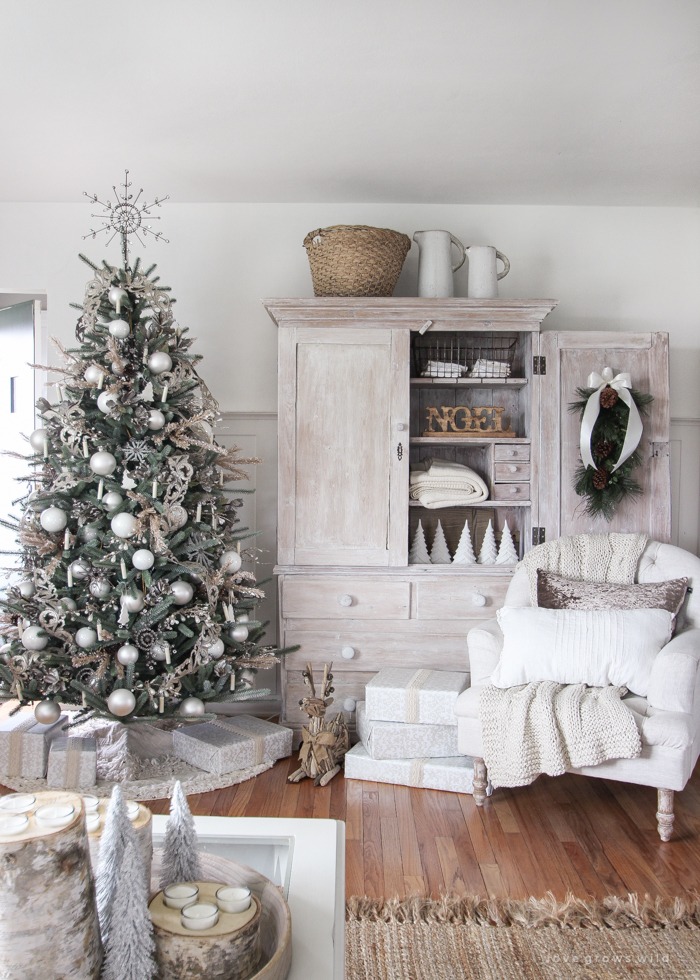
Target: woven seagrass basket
(355, 260)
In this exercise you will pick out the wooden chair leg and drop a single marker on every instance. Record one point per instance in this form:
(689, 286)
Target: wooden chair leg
(480, 782)
(665, 815)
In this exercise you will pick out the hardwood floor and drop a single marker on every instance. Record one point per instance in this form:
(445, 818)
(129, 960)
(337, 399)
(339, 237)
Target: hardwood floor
(571, 834)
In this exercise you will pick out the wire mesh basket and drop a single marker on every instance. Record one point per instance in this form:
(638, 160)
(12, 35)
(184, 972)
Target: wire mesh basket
(459, 355)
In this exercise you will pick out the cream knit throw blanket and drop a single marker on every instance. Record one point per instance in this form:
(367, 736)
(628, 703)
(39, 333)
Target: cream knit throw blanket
(550, 728)
(611, 557)
(441, 483)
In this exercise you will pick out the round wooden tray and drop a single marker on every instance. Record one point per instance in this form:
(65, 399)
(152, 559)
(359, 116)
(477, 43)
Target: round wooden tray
(275, 917)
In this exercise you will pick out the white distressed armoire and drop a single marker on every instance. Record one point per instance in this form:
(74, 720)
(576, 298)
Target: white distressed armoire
(353, 417)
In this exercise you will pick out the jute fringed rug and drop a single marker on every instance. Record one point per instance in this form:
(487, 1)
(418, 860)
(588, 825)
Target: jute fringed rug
(470, 939)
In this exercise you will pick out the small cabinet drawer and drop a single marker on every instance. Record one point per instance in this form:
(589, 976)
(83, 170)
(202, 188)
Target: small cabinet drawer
(477, 600)
(337, 597)
(351, 649)
(512, 472)
(511, 491)
(505, 452)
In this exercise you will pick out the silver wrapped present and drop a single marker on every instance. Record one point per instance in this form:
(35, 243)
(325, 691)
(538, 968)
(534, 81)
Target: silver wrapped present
(402, 740)
(455, 775)
(72, 763)
(231, 743)
(24, 744)
(424, 697)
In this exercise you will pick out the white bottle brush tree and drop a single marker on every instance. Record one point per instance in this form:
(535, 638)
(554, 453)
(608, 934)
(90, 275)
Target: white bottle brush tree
(129, 948)
(118, 832)
(134, 601)
(180, 849)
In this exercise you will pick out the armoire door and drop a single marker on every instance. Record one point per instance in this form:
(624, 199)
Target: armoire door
(343, 431)
(570, 359)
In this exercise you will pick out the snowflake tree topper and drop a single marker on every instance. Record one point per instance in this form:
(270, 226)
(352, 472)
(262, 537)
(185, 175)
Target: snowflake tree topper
(126, 216)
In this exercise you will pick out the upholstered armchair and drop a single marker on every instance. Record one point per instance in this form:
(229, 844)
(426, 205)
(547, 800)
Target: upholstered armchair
(668, 718)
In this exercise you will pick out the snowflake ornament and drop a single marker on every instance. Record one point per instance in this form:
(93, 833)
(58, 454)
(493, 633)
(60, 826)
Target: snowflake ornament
(126, 217)
(136, 451)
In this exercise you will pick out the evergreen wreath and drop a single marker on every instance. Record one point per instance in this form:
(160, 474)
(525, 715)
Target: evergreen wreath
(604, 490)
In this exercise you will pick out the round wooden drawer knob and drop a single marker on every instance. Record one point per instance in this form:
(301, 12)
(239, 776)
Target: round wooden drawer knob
(478, 599)
(345, 600)
(349, 704)
(513, 469)
(400, 426)
(515, 489)
(512, 452)
(347, 653)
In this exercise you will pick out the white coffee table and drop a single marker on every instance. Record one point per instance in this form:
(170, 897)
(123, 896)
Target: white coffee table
(306, 858)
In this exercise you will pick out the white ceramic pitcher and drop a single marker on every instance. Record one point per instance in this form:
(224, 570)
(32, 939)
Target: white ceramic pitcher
(435, 268)
(483, 277)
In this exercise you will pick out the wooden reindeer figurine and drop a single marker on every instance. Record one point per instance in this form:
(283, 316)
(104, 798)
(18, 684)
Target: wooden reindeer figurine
(324, 742)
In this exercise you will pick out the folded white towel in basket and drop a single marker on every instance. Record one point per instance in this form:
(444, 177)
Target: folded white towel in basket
(490, 369)
(443, 369)
(440, 483)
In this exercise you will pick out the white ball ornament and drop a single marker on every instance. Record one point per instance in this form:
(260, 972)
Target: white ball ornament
(31, 640)
(160, 650)
(89, 533)
(116, 369)
(80, 569)
(156, 420)
(119, 329)
(230, 561)
(121, 702)
(27, 588)
(133, 603)
(143, 559)
(124, 525)
(159, 362)
(182, 591)
(243, 618)
(239, 633)
(127, 654)
(68, 603)
(38, 439)
(93, 374)
(47, 712)
(215, 649)
(247, 676)
(107, 401)
(85, 637)
(103, 463)
(111, 500)
(116, 296)
(99, 588)
(191, 707)
(53, 519)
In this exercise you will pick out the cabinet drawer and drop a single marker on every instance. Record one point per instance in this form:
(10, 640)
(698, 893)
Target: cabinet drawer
(458, 600)
(511, 491)
(512, 472)
(346, 684)
(372, 651)
(504, 452)
(335, 597)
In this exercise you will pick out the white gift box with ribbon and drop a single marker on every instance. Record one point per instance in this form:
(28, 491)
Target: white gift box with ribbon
(24, 744)
(423, 697)
(72, 763)
(401, 740)
(233, 743)
(454, 774)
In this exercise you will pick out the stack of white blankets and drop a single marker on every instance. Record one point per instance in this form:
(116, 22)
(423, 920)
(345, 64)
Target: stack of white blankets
(408, 731)
(440, 483)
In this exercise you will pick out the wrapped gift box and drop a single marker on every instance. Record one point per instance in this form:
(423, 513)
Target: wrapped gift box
(72, 763)
(401, 740)
(24, 745)
(424, 697)
(454, 774)
(232, 743)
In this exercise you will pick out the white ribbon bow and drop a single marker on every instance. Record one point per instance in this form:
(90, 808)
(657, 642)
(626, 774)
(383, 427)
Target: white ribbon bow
(621, 383)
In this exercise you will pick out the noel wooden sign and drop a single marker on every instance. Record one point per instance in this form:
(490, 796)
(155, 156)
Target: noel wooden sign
(478, 422)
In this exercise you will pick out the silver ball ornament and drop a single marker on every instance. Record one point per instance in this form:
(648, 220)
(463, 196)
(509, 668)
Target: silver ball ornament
(47, 712)
(191, 707)
(121, 702)
(230, 561)
(85, 637)
(38, 439)
(53, 519)
(156, 420)
(239, 633)
(27, 588)
(159, 362)
(116, 369)
(124, 525)
(116, 296)
(100, 588)
(80, 569)
(107, 401)
(182, 591)
(243, 618)
(133, 603)
(247, 677)
(143, 559)
(93, 374)
(160, 650)
(127, 654)
(89, 533)
(68, 603)
(111, 500)
(119, 329)
(31, 640)
(103, 463)
(215, 649)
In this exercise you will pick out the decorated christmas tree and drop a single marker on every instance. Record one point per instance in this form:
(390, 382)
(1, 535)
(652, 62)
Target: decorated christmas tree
(440, 553)
(134, 600)
(419, 554)
(489, 551)
(464, 555)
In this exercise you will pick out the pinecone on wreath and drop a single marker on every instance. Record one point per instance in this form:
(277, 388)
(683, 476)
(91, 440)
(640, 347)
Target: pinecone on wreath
(608, 397)
(603, 449)
(600, 479)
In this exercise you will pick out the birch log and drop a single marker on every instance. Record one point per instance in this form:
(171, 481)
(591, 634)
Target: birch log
(144, 838)
(48, 916)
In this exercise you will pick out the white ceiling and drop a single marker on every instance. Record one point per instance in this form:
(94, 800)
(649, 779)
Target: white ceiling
(460, 101)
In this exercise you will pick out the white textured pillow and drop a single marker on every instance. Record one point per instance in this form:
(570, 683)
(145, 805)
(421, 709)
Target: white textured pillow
(577, 646)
